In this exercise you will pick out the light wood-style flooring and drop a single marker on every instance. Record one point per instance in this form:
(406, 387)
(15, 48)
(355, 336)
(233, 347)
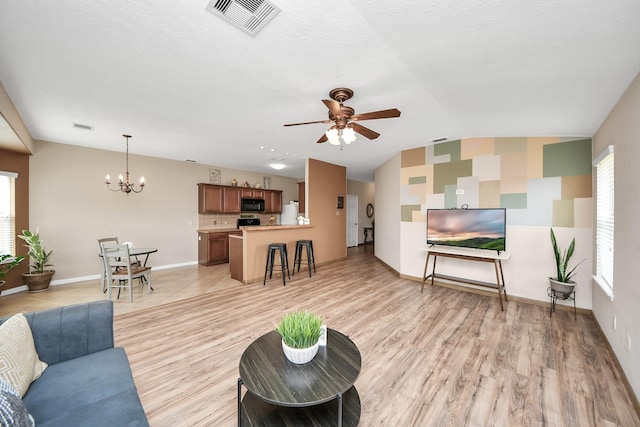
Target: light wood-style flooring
(441, 358)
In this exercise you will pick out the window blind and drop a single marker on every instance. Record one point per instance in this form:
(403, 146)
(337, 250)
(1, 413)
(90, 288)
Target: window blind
(7, 213)
(604, 164)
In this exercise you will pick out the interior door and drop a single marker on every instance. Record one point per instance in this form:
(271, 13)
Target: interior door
(352, 220)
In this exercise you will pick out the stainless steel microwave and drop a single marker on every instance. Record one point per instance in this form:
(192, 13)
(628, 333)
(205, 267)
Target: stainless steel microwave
(252, 205)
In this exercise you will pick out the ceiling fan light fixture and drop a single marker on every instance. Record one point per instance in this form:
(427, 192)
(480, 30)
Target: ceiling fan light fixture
(332, 135)
(348, 135)
(340, 136)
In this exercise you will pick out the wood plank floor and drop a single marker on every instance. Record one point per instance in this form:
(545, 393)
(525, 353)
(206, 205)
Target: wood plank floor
(443, 357)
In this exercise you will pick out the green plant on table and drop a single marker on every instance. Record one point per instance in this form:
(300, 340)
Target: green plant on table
(300, 329)
(37, 254)
(563, 274)
(7, 262)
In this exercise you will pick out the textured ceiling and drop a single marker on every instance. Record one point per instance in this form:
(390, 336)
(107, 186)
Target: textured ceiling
(188, 85)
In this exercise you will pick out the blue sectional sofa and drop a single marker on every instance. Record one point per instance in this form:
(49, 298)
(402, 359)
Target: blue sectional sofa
(88, 382)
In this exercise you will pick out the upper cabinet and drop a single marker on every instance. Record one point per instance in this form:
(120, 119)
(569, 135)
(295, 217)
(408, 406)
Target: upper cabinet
(210, 198)
(301, 198)
(272, 201)
(214, 198)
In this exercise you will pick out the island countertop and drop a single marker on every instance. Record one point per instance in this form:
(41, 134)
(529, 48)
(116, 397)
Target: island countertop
(273, 227)
(217, 230)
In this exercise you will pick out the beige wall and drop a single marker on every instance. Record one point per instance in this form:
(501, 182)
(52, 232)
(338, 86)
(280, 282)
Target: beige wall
(324, 183)
(387, 182)
(366, 194)
(622, 130)
(73, 208)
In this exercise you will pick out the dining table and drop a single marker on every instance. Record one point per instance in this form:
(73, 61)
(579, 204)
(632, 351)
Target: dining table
(133, 252)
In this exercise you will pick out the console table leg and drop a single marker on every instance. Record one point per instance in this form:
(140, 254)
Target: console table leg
(339, 409)
(424, 275)
(504, 287)
(499, 285)
(433, 270)
(240, 402)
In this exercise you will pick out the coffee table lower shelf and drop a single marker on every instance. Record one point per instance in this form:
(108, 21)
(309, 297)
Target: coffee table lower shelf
(257, 412)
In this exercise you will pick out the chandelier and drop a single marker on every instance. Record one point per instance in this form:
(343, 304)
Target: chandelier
(340, 136)
(125, 185)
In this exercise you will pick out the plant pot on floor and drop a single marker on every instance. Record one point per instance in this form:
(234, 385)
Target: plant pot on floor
(562, 290)
(38, 282)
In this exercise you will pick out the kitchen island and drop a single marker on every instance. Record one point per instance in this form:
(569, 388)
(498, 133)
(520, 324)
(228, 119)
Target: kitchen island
(255, 240)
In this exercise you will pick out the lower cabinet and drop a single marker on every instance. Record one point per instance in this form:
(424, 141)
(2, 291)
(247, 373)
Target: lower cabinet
(213, 248)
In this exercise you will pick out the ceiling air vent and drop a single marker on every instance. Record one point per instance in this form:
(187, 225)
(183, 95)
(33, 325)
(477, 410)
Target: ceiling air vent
(248, 15)
(83, 127)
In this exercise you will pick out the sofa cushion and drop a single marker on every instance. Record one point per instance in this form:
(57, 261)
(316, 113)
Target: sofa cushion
(19, 364)
(96, 389)
(12, 410)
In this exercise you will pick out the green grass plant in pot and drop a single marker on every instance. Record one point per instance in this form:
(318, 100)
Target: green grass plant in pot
(39, 278)
(562, 283)
(300, 332)
(7, 262)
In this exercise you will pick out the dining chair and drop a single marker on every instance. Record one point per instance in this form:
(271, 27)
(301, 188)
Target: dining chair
(110, 242)
(120, 272)
(107, 242)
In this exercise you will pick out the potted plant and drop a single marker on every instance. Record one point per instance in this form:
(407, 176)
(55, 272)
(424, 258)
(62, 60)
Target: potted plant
(300, 332)
(562, 284)
(7, 262)
(38, 279)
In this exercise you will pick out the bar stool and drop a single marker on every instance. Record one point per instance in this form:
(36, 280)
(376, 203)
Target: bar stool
(311, 260)
(284, 262)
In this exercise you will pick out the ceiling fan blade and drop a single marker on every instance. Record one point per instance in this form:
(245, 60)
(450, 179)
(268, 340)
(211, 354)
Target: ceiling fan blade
(323, 139)
(333, 106)
(309, 123)
(382, 114)
(363, 131)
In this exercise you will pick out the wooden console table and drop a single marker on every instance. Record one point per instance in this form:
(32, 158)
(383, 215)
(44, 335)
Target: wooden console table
(470, 255)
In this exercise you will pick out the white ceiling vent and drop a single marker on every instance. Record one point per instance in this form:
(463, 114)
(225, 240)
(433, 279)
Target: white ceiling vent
(248, 15)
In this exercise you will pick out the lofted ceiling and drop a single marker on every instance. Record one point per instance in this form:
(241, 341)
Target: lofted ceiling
(189, 85)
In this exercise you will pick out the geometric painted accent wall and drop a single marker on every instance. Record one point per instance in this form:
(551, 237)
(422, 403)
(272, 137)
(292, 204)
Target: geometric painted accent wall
(541, 181)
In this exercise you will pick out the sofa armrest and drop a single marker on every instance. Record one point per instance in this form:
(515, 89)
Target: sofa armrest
(72, 331)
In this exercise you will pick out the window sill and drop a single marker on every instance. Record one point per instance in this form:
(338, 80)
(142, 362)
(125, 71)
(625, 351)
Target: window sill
(608, 290)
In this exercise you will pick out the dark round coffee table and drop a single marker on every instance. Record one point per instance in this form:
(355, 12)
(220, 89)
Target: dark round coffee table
(282, 393)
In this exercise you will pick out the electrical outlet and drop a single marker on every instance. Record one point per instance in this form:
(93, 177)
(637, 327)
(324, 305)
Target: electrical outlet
(459, 191)
(226, 222)
(614, 323)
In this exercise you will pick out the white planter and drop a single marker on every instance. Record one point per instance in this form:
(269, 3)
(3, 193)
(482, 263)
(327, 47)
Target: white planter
(563, 290)
(300, 356)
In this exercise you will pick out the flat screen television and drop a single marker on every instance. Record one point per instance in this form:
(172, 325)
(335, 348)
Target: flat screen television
(469, 228)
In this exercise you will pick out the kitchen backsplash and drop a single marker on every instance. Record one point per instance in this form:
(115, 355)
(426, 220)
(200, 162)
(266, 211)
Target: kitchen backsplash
(222, 221)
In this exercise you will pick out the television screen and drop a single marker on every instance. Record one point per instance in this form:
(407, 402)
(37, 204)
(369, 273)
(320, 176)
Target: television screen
(469, 228)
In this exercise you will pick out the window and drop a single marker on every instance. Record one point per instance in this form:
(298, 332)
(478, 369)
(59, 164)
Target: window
(604, 220)
(7, 213)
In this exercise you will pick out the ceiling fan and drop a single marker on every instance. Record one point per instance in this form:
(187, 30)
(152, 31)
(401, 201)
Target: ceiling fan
(345, 119)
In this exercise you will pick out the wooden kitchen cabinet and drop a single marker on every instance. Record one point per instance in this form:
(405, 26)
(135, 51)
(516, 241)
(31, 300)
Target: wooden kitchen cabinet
(232, 196)
(210, 198)
(301, 197)
(213, 247)
(213, 198)
(272, 201)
